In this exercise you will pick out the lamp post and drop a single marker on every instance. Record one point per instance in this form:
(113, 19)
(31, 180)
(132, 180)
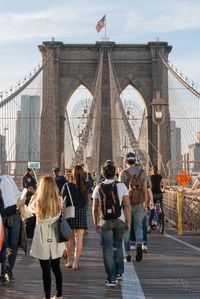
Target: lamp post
(158, 118)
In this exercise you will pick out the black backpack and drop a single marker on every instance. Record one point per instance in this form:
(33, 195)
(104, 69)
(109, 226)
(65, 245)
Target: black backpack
(110, 205)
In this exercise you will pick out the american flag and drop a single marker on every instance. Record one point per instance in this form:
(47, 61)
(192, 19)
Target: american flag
(100, 24)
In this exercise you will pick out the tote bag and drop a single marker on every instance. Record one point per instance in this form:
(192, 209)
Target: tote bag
(69, 212)
(62, 229)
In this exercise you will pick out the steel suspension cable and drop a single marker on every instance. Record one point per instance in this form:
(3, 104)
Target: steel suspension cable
(180, 79)
(25, 84)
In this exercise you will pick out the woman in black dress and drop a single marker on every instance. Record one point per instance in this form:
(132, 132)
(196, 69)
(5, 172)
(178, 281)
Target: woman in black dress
(78, 189)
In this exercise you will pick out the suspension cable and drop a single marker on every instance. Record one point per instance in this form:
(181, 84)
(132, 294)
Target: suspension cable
(25, 84)
(180, 79)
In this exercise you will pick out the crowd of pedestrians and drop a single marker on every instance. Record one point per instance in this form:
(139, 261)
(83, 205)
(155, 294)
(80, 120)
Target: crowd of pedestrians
(120, 198)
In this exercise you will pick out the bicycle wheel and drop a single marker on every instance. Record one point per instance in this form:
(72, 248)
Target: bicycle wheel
(161, 223)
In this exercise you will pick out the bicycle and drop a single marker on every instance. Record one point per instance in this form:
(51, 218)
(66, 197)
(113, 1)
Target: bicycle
(158, 221)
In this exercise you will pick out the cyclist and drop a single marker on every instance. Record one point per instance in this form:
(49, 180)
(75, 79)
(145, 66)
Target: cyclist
(156, 184)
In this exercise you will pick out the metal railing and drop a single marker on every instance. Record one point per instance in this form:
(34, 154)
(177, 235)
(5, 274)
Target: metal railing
(190, 208)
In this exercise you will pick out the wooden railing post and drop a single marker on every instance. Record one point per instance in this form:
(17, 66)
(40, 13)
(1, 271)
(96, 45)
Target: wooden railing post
(180, 211)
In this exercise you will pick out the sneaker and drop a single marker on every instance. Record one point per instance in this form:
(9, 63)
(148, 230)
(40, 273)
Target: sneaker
(144, 248)
(132, 247)
(119, 279)
(149, 229)
(9, 276)
(110, 283)
(127, 258)
(4, 278)
(138, 256)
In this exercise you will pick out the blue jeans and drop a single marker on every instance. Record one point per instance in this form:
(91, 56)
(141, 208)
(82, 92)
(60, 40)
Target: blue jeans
(137, 215)
(144, 229)
(12, 235)
(3, 259)
(111, 239)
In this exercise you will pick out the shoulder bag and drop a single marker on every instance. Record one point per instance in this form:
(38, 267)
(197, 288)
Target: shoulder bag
(62, 229)
(69, 212)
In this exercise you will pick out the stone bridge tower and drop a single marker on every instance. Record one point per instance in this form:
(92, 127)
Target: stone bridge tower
(105, 69)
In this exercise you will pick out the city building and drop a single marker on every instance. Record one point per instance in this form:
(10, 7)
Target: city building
(175, 148)
(194, 156)
(27, 132)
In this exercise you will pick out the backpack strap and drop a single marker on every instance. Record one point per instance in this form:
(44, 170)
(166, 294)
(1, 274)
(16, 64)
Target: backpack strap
(141, 171)
(114, 184)
(103, 197)
(101, 188)
(130, 175)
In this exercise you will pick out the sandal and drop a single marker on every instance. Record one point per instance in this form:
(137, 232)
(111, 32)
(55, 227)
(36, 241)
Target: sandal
(68, 265)
(75, 267)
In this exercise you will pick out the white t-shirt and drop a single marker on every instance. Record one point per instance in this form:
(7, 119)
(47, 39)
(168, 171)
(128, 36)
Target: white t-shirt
(121, 189)
(10, 192)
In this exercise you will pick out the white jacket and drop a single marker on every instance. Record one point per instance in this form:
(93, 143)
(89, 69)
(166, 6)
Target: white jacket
(44, 244)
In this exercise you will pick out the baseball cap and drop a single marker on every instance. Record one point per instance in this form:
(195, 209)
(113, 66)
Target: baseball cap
(130, 156)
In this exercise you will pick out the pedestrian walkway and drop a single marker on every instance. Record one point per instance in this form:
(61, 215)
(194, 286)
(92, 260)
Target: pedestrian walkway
(87, 282)
(170, 270)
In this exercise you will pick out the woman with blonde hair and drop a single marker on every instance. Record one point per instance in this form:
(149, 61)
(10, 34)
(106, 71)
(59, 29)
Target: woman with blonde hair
(46, 204)
(78, 189)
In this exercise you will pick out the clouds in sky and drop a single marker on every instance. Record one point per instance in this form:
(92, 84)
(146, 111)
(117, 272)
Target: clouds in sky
(25, 24)
(166, 17)
(73, 19)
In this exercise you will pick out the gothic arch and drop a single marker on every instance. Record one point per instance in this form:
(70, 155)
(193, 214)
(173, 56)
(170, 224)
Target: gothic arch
(70, 89)
(136, 84)
(74, 64)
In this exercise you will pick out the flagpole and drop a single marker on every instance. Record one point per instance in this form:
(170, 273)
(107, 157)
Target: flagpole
(105, 26)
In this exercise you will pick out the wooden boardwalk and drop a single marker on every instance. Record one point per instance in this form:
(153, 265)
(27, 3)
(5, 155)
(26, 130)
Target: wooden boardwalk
(170, 270)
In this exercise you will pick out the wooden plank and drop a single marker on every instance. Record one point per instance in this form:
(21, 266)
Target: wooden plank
(169, 270)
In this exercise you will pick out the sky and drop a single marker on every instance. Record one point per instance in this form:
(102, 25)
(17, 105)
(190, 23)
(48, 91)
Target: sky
(26, 24)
